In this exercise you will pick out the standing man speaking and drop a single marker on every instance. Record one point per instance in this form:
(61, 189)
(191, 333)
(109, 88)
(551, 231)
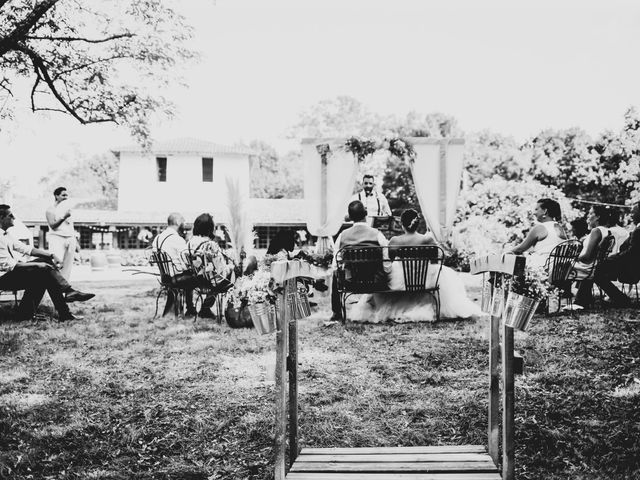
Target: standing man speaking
(375, 203)
(62, 235)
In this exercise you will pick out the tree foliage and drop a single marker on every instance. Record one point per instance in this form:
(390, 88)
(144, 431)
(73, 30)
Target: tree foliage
(98, 61)
(274, 176)
(94, 180)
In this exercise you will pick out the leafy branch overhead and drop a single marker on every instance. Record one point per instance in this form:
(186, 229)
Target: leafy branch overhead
(106, 61)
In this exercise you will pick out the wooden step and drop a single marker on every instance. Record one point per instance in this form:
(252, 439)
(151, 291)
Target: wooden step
(464, 462)
(393, 476)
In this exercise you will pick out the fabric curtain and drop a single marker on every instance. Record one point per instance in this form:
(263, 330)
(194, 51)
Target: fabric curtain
(436, 171)
(326, 212)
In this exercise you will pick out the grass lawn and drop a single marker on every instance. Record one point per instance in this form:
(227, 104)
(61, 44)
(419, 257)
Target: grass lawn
(121, 396)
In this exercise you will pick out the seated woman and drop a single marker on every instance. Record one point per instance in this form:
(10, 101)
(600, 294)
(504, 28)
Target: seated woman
(203, 242)
(542, 238)
(415, 306)
(597, 218)
(282, 244)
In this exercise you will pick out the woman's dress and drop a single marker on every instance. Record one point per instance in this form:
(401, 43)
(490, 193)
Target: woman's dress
(539, 253)
(584, 270)
(403, 306)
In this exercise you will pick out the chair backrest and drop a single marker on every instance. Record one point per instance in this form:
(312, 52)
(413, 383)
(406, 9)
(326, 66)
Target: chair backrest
(605, 247)
(165, 265)
(418, 264)
(561, 260)
(362, 268)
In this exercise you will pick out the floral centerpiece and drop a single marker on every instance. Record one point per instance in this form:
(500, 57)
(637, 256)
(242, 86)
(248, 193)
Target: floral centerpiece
(533, 284)
(256, 293)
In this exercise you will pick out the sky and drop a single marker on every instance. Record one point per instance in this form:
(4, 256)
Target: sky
(510, 66)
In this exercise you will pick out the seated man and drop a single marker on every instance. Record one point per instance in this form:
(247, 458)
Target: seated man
(624, 264)
(359, 234)
(171, 241)
(33, 277)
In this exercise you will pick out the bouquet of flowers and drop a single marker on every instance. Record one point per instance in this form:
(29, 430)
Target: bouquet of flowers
(253, 289)
(533, 284)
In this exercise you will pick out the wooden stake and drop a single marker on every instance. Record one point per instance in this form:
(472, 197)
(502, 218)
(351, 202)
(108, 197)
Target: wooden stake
(292, 363)
(494, 388)
(281, 389)
(508, 447)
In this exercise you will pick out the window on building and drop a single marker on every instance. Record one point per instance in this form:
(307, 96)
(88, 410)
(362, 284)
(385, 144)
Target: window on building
(161, 163)
(207, 169)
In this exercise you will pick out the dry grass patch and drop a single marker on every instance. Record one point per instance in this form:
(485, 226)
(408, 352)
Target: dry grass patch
(122, 396)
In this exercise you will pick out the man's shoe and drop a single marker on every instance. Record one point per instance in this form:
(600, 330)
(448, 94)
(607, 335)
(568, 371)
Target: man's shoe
(76, 296)
(69, 317)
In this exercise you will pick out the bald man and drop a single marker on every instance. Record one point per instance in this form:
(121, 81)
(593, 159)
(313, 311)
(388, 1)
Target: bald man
(172, 242)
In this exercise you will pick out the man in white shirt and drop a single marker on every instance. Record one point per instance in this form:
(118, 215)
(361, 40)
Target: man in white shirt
(33, 277)
(171, 241)
(375, 203)
(360, 234)
(62, 235)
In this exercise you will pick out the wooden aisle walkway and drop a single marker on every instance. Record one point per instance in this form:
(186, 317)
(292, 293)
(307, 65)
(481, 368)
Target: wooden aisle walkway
(465, 462)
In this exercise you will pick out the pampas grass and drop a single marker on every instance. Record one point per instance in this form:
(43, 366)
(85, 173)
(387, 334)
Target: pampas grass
(240, 228)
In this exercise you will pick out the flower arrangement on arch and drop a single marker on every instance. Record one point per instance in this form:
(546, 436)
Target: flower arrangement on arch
(363, 147)
(533, 284)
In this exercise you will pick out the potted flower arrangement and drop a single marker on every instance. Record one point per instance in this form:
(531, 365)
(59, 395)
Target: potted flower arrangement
(525, 294)
(256, 293)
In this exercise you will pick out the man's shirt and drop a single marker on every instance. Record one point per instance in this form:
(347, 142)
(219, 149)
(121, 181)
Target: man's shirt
(9, 246)
(359, 234)
(375, 203)
(170, 242)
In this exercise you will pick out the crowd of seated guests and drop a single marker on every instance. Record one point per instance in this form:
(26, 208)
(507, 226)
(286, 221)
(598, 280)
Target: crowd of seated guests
(203, 242)
(601, 226)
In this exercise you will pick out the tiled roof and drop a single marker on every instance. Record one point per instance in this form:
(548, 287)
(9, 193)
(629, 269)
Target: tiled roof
(262, 211)
(188, 145)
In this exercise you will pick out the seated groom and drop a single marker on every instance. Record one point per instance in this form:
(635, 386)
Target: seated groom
(34, 277)
(360, 234)
(620, 266)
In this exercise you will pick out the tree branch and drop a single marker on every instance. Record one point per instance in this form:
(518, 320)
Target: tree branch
(10, 41)
(80, 39)
(43, 73)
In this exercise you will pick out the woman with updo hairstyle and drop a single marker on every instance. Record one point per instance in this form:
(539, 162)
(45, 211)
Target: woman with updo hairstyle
(410, 219)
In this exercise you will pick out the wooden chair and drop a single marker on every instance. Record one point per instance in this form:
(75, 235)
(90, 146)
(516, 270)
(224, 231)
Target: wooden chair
(361, 270)
(560, 264)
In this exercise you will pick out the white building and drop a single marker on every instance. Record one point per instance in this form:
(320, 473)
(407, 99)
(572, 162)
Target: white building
(184, 175)
(180, 175)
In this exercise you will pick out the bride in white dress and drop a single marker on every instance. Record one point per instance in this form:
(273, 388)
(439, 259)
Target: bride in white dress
(415, 306)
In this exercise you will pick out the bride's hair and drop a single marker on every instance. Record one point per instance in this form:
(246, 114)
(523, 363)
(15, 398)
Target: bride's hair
(410, 220)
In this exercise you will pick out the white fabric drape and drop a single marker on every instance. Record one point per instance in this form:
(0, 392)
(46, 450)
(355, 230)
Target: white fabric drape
(436, 173)
(341, 171)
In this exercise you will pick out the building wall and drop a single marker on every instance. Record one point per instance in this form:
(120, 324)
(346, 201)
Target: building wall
(184, 190)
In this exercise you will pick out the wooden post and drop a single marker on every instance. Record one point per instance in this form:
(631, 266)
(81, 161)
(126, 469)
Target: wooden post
(500, 265)
(494, 388)
(292, 363)
(281, 390)
(324, 150)
(508, 447)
